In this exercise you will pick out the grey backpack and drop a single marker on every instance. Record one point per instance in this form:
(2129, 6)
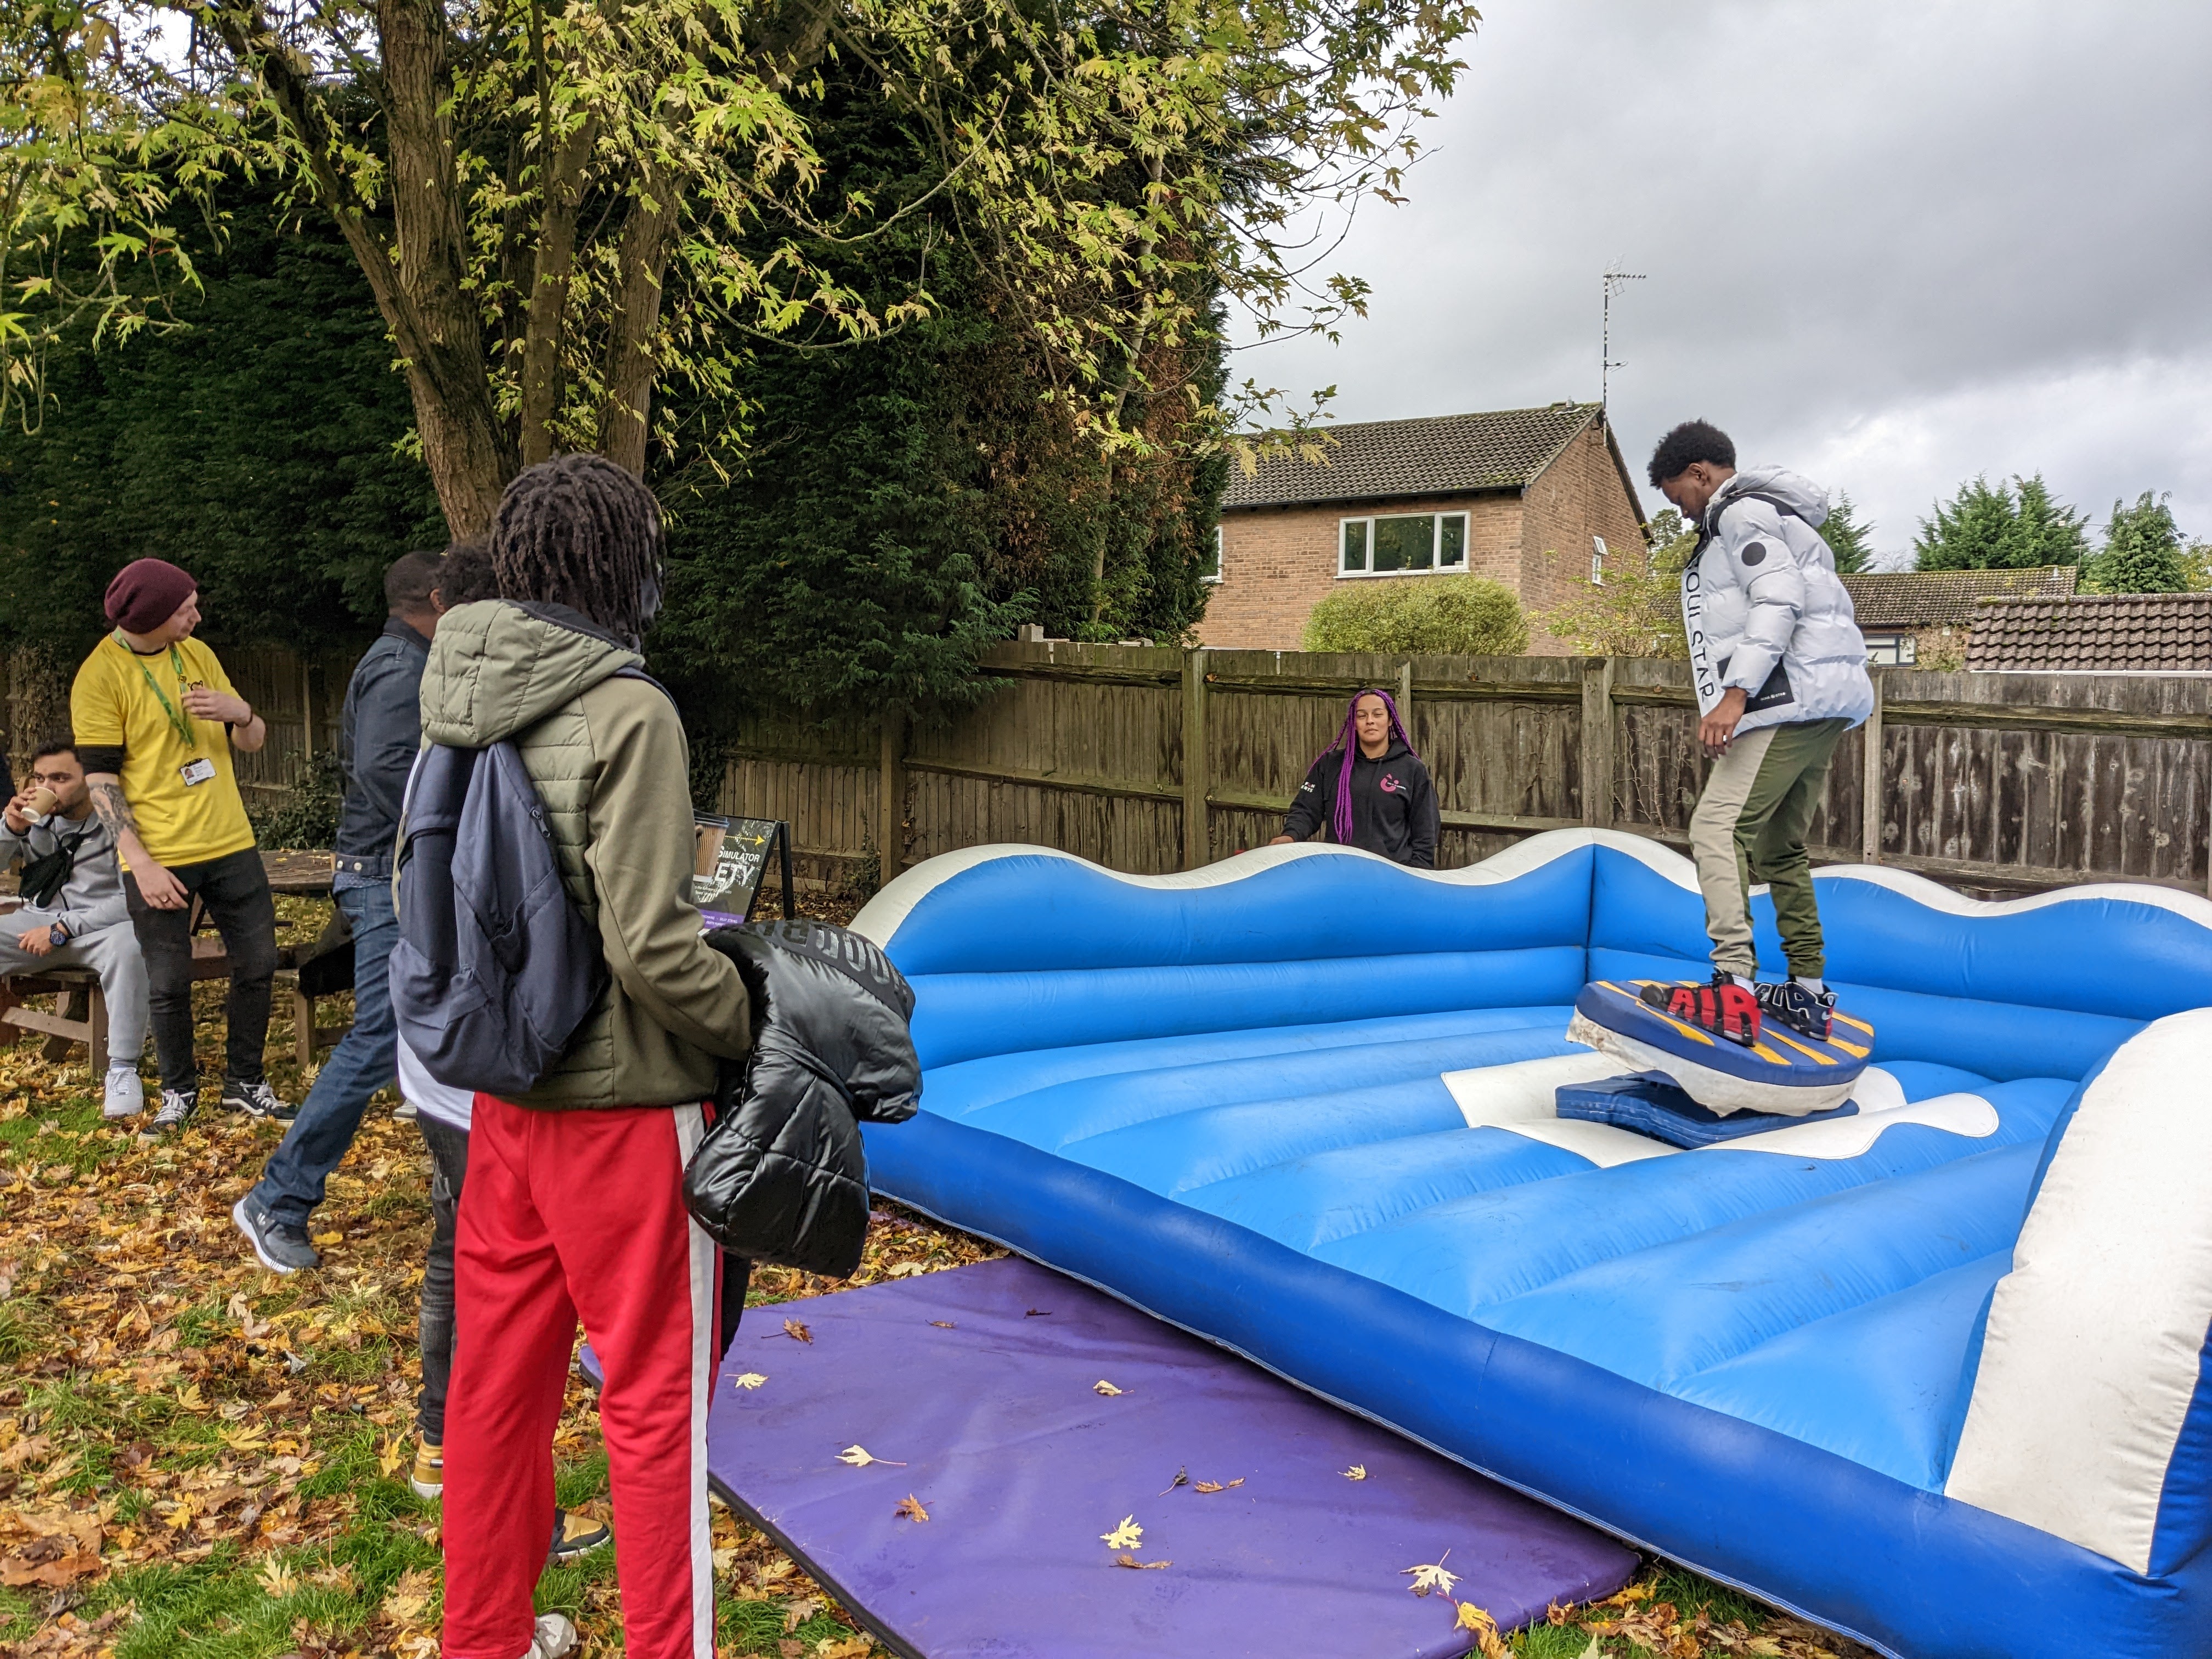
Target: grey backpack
(496, 967)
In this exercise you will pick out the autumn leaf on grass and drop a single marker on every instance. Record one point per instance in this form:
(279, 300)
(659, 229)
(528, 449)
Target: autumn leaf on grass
(1486, 1638)
(404, 1601)
(391, 1455)
(859, 1457)
(1132, 1561)
(905, 1269)
(748, 1380)
(1102, 1386)
(1432, 1578)
(246, 1437)
(910, 1507)
(280, 1581)
(1357, 1472)
(1127, 1536)
(1217, 1486)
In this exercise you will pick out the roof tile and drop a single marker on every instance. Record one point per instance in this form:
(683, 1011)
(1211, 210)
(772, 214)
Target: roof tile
(1442, 454)
(2139, 633)
(1942, 599)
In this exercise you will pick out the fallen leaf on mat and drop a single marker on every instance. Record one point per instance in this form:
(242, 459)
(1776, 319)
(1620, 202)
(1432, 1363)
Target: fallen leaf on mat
(1141, 1566)
(797, 1332)
(1182, 1479)
(748, 1380)
(1218, 1486)
(1357, 1472)
(911, 1508)
(944, 1324)
(1038, 1313)
(1431, 1577)
(1127, 1536)
(1487, 1642)
(1102, 1386)
(859, 1458)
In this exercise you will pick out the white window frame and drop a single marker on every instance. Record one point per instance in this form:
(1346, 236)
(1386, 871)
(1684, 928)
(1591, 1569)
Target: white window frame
(1892, 649)
(1436, 544)
(1220, 549)
(1597, 562)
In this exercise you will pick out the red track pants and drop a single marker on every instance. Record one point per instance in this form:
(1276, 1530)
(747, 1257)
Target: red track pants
(569, 1213)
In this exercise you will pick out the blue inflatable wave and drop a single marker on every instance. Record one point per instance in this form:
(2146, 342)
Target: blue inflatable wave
(1930, 1372)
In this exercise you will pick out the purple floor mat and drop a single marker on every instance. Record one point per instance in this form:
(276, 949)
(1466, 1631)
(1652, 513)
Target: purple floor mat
(980, 1380)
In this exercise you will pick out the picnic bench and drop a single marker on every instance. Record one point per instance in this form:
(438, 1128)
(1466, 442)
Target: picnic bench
(80, 1011)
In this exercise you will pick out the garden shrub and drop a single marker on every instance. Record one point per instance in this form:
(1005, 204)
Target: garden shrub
(1440, 616)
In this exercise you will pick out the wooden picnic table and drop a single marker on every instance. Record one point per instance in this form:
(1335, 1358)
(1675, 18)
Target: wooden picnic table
(304, 875)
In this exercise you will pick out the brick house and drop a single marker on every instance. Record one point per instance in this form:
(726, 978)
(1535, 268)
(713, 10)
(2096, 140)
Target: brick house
(1922, 617)
(1537, 499)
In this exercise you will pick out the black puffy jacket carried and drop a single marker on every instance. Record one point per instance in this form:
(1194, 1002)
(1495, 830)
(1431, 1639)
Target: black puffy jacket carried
(781, 1176)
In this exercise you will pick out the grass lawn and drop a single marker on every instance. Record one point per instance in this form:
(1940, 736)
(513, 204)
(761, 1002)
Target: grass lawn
(199, 1460)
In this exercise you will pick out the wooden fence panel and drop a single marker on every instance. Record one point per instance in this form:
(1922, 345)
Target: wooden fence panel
(1996, 782)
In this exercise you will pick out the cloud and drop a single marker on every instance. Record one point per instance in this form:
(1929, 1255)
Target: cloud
(1895, 245)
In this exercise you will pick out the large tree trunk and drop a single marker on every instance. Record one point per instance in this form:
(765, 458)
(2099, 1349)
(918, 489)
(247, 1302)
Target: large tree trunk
(471, 456)
(632, 364)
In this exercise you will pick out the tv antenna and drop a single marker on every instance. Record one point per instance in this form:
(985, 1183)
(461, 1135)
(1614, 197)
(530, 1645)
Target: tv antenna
(1614, 280)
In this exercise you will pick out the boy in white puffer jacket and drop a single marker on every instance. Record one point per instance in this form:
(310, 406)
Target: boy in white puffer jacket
(1780, 670)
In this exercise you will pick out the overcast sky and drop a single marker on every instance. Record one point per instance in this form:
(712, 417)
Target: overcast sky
(1890, 244)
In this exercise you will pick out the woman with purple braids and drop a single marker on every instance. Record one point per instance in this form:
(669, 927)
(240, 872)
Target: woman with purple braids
(1369, 789)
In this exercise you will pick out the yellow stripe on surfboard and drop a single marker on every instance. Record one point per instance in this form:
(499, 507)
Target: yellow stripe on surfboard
(1825, 1059)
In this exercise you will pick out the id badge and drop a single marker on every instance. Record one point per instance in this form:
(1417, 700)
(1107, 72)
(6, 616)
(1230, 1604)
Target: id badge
(197, 771)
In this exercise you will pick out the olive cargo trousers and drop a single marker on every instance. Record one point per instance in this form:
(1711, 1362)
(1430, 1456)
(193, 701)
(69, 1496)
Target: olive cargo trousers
(1749, 827)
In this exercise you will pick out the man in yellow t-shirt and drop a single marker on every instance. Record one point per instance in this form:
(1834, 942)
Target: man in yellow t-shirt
(156, 719)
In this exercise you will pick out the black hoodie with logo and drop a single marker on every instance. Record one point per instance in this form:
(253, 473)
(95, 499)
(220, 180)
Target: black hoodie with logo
(1394, 805)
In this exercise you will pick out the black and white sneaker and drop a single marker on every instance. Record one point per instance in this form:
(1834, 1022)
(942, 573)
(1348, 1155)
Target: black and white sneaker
(282, 1247)
(175, 1111)
(259, 1100)
(1808, 1013)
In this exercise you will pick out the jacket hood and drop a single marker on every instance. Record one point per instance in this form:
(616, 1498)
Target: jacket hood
(1807, 500)
(498, 667)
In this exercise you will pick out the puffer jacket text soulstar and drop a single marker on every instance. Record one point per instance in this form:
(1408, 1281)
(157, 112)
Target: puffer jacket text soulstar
(1765, 610)
(781, 1176)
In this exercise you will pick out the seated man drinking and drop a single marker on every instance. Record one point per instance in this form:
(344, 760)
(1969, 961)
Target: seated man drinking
(74, 914)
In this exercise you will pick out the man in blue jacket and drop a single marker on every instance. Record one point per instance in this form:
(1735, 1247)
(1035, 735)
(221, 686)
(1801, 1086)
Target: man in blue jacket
(381, 730)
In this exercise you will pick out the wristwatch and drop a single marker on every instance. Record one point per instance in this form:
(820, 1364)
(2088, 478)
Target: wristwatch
(57, 936)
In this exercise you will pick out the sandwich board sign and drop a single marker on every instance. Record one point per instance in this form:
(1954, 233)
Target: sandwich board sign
(731, 859)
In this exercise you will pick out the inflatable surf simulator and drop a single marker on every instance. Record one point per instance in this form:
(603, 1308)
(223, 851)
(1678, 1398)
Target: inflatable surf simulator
(1926, 1367)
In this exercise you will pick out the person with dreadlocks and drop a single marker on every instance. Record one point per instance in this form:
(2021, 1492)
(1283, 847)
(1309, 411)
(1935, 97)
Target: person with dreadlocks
(1369, 788)
(575, 1197)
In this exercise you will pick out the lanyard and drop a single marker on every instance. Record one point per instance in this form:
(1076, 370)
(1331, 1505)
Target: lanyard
(180, 723)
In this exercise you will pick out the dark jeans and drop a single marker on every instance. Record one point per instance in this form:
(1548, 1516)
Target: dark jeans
(235, 891)
(449, 1166)
(292, 1183)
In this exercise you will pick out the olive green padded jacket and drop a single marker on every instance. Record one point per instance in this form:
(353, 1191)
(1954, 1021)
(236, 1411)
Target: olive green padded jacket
(611, 764)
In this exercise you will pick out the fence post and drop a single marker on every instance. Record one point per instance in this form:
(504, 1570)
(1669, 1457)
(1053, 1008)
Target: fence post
(1195, 846)
(1597, 742)
(890, 804)
(1870, 781)
(1405, 696)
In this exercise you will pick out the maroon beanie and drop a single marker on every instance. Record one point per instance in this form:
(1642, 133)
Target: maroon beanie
(146, 594)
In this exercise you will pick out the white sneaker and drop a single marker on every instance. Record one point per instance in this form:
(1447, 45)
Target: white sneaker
(555, 1637)
(125, 1095)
